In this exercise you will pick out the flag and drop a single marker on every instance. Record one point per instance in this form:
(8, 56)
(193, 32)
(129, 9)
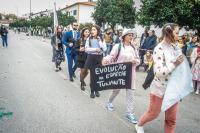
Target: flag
(179, 85)
(55, 22)
(55, 18)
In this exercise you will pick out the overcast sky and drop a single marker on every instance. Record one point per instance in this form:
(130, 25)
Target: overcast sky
(23, 6)
(20, 7)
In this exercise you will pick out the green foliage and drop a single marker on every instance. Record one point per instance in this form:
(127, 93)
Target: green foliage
(0, 17)
(64, 19)
(158, 13)
(128, 13)
(20, 23)
(88, 25)
(115, 12)
(43, 21)
(6, 17)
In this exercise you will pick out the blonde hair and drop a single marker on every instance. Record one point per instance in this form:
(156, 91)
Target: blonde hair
(167, 31)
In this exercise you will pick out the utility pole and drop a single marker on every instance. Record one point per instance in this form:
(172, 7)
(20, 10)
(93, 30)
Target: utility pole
(30, 10)
(17, 12)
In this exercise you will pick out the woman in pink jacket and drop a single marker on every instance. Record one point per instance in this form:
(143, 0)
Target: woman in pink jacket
(126, 52)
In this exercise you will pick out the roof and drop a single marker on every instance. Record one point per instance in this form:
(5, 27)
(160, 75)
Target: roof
(45, 11)
(80, 3)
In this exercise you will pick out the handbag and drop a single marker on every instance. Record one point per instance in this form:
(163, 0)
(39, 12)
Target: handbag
(149, 78)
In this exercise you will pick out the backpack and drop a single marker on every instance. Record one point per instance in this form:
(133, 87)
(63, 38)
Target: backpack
(119, 50)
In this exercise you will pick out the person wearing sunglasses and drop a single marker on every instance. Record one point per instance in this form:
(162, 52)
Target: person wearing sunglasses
(70, 39)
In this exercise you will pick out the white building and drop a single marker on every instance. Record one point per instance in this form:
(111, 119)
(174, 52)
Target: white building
(26, 16)
(82, 11)
(70, 2)
(41, 13)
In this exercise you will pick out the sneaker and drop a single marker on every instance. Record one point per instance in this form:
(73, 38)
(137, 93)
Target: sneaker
(131, 118)
(197, 92)
(56, 69)
(109, 106)
(71, 79)
(139, 129)
(74, 76)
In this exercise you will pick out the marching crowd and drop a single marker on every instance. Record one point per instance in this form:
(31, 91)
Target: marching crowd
(90, 47)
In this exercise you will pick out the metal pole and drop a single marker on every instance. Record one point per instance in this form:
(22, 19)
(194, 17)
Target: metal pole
(30, 8)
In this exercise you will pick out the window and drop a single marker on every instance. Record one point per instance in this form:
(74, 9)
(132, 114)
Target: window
(75, 12)
(68, 13)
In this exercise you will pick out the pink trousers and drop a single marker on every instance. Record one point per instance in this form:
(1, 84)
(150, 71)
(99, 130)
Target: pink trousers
(154, 111)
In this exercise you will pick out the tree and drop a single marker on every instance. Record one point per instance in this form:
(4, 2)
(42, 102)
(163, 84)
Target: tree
(100, 12)
(64, 19)
(88, 25)
(7, 17)
(115, 12)
(43, 21)
(0, 17)
(128, 12)
(158, 13)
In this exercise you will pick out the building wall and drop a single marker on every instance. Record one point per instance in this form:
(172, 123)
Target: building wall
(71, 11)
(69, 2)
(85, 14)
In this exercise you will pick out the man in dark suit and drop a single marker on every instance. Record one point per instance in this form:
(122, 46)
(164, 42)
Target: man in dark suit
(70, 39)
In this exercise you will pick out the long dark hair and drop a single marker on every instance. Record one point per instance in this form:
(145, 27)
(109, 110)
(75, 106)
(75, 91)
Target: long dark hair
(58, 34)
(167, 31)
(82, 32)
(98, 30)
(98, 34)
(196, 37)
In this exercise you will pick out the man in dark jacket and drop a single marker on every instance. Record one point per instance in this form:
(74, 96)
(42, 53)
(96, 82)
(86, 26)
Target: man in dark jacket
(150, 41)
(4, 36)
(1, 29)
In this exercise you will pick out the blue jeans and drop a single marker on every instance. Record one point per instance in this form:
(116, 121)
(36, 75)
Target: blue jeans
(5, 40)
(109, 48)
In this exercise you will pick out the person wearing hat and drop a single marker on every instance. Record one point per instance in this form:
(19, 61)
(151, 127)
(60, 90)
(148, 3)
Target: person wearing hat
(126, 53)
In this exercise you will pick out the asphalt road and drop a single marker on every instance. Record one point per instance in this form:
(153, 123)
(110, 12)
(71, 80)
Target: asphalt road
(43, 101)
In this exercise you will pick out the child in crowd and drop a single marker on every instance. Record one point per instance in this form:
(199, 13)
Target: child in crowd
(195, 58)
(148, 60)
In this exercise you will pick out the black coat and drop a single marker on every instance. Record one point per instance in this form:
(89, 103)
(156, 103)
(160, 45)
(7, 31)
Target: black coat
(3, 31)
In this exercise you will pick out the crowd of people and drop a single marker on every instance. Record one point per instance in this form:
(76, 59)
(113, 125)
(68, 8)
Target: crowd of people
(90, 47)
